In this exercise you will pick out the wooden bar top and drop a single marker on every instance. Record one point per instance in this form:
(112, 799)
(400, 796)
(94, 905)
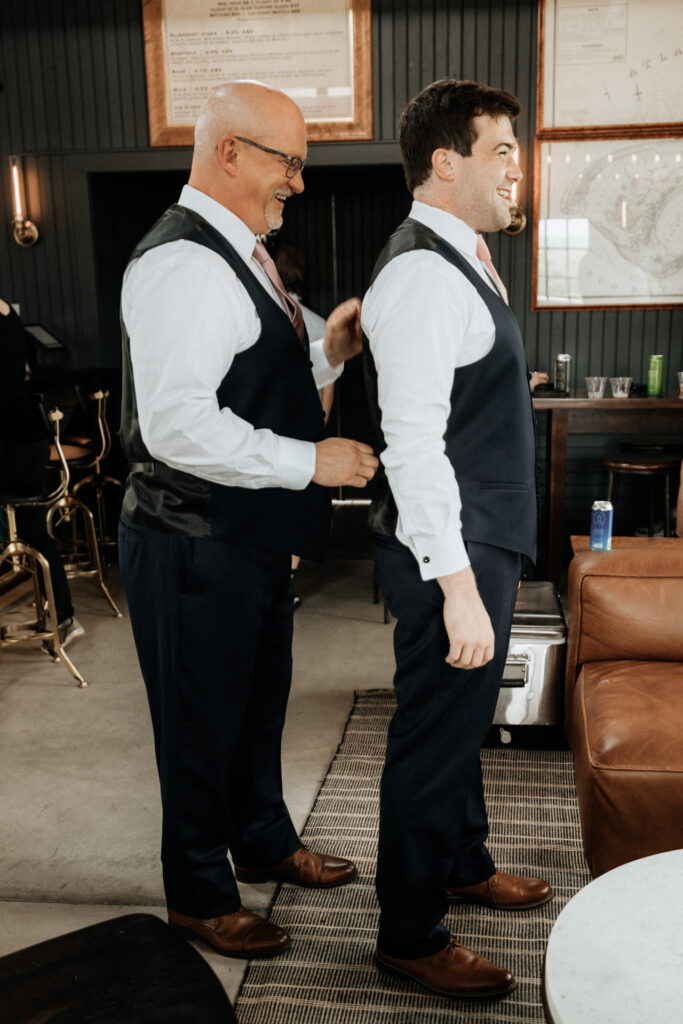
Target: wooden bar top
(577, 401)
(582, 543)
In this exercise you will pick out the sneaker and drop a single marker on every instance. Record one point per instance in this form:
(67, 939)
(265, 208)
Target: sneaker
(70, 630)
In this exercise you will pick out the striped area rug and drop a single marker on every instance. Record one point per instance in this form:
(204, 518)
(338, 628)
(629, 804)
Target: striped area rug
(329, 975)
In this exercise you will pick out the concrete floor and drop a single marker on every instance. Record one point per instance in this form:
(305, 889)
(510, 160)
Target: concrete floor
(79, 803)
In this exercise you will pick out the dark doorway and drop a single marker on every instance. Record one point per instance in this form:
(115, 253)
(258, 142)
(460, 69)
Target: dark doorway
(339, 225)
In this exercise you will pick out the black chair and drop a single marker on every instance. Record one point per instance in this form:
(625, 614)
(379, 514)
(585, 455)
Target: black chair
(129, 970)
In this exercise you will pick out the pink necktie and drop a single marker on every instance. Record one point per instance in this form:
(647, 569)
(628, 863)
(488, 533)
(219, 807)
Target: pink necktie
(291, 307)
(484, 256)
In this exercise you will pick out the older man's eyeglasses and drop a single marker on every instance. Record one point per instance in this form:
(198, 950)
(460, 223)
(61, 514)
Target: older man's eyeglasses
(295, 164)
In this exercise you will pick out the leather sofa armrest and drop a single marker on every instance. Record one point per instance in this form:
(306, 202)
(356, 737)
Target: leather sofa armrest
(624, 603)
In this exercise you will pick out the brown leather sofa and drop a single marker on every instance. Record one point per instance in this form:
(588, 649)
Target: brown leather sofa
(624, 700)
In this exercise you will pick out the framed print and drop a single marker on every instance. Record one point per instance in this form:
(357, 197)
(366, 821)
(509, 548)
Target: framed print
(319, 53)
(616, 64)
(608, 223)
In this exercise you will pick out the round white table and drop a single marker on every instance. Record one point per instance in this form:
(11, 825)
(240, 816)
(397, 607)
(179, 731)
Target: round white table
(615, 953)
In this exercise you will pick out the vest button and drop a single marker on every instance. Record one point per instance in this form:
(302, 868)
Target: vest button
(426, 559)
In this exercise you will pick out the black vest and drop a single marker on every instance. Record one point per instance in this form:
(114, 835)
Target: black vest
(271, 386)
(490, 434)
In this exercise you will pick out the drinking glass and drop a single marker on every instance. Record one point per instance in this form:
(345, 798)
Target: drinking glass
(595, 386)
(620, 386)
(680, 383)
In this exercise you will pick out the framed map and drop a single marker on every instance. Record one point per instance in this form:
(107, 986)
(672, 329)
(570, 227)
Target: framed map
(320, 54)
(608, 223)
(614, 64)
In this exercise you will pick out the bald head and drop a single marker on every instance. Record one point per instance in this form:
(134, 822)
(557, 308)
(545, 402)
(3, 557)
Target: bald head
(241, 108)
(231, 171)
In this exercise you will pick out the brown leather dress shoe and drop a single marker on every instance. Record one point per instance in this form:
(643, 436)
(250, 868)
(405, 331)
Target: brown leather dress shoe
(241, 934)
(303, 867)
(454, 971)
(503, 892)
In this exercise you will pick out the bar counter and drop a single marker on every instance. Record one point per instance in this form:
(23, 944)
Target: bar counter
(581, 415)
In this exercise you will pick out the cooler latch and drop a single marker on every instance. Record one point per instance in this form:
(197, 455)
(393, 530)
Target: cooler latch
(517, 669)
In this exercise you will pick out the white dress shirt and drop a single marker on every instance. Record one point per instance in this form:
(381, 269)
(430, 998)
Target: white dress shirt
(188, 315)
(424, 319)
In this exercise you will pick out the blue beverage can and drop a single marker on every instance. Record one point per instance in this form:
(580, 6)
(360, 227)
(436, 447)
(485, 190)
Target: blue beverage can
(601, 526)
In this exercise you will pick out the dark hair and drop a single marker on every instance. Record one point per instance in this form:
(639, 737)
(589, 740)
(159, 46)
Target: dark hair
(290, 266)
(440, 117)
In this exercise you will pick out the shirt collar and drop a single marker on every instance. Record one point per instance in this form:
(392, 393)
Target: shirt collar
(230, 226)
(451, 228)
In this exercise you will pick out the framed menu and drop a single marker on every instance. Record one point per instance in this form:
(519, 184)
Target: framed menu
(320, 54)
(617, 63)
(608, 222)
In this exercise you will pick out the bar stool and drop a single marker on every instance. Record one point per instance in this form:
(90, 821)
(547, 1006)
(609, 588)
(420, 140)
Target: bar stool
(653, 446)
(655, 467)
(89, 453)
(82, 556)
(70, 522)
(99, 480)
(27, 560)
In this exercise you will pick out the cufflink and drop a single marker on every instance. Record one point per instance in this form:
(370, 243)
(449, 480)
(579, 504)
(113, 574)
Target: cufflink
(425, 559)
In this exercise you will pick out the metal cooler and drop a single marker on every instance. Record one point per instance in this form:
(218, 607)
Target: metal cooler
(533, 679)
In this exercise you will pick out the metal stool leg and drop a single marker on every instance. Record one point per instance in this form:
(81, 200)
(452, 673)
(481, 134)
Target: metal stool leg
(66, 509)
(45, 627)
(611, 489)
(651, 523)
(95, 556)
(667, 505)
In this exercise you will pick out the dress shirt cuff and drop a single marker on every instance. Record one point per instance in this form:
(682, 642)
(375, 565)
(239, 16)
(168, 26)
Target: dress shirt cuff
(439, 556)
(323, 373)
(295, 462)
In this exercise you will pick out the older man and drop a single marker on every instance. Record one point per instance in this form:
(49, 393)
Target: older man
(228, 475)
(455, 521)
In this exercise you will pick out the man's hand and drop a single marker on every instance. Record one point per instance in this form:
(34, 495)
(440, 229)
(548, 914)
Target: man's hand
(536, 379)
(340, 462)
(467, 622)
(343, 335)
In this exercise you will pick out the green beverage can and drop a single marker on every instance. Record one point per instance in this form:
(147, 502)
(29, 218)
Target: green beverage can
(655, 375)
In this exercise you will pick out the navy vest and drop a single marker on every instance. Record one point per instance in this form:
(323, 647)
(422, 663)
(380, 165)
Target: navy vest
(490, 434)
(270, 385)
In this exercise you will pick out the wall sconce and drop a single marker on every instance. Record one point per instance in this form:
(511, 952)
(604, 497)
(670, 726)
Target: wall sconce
(518, 221)
(25, 231)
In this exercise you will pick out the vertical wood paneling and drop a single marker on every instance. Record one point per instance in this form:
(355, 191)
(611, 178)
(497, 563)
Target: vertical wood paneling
(76, 93)
(453, 32)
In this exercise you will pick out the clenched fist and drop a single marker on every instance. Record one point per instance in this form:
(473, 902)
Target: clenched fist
(340, 462)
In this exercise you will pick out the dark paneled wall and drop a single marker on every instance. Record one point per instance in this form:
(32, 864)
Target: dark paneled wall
(74, 102)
